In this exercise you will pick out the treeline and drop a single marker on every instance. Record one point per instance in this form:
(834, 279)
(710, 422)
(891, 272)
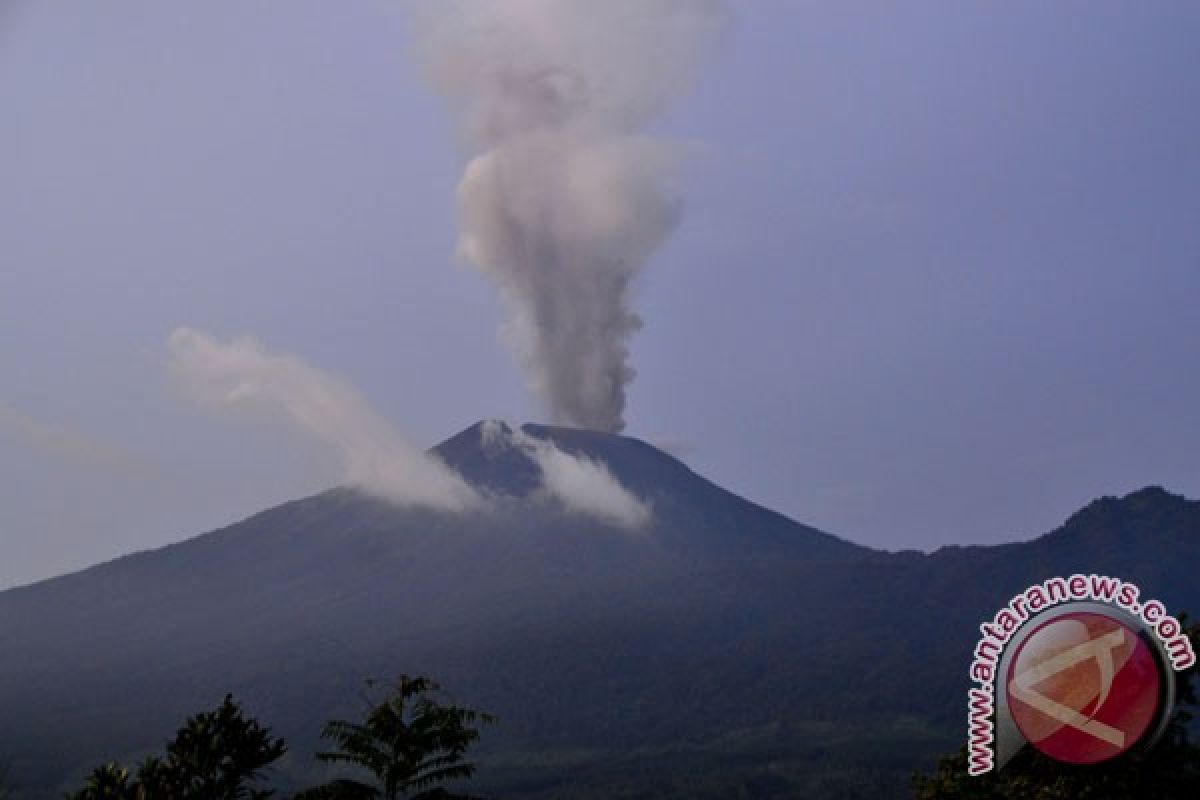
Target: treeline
(408, 745)
(411, 745)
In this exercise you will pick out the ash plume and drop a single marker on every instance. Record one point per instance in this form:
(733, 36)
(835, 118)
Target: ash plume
(566, 196)
(580, 484)
(242, 375)
(72, 446)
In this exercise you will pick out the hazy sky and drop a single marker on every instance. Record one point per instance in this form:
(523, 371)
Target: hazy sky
(937, 278)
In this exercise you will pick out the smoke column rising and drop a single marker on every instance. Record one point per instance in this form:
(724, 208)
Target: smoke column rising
(566, 197)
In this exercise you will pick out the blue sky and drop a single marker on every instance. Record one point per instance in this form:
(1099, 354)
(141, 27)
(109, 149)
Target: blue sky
(936, 278)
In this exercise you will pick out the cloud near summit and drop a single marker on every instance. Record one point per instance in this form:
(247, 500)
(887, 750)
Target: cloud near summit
(241, 375)
(583, 485)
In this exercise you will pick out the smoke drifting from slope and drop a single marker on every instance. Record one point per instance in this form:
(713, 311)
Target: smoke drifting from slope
(567, 198)
(241, 374)
(72, 446)
(582, 485)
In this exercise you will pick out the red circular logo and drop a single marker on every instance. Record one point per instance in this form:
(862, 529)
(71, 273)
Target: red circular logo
(1083, 687)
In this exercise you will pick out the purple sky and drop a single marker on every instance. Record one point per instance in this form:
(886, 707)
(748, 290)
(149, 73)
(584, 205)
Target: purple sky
(937, 279)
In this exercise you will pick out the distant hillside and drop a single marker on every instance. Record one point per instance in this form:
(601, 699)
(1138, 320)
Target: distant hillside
(723, 649)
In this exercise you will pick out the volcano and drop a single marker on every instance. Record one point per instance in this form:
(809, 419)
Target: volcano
(720, 648)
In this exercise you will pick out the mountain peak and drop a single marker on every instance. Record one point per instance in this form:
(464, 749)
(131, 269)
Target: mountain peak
(485, 456)
(1148, 517)
(492, 456)
(687, 509)
(1150, 500)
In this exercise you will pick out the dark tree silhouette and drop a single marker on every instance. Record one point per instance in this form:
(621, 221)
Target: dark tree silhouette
(409, 742)
(216, 755)
(107, 782)
(340, 790)
(1170, 771)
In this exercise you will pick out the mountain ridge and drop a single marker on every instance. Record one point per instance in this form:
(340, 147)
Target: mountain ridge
(583, 637)
(450, 451)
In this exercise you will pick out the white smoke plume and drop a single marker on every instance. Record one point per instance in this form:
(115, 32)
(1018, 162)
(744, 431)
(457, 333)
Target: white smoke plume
(566, 196)
(72, 446)
(582, 485)
(241, 374)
